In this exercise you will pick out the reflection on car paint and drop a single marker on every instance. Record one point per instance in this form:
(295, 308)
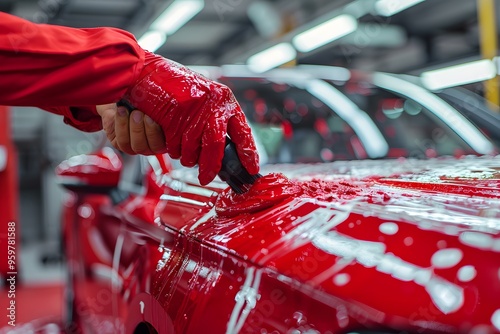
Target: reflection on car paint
(401, 245)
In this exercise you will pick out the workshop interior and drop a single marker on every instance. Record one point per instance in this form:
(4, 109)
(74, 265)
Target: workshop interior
(376, 208)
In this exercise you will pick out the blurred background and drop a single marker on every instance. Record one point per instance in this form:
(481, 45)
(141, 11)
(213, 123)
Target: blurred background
(437, 44)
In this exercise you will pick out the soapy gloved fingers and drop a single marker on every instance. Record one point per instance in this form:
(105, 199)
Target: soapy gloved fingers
(241, 135)
(226, 114)
(191, 146)
(212, 149)
(194, 114)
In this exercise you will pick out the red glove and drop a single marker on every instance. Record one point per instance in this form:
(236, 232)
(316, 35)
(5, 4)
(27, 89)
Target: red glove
(195, 114)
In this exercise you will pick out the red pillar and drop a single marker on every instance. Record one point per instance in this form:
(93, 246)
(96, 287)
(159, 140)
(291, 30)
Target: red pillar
(10, 228)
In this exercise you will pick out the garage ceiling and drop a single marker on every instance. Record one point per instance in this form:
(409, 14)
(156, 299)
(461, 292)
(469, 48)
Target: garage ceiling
(431, 33)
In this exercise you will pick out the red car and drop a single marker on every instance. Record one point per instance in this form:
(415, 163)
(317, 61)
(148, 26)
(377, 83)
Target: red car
(369, 246)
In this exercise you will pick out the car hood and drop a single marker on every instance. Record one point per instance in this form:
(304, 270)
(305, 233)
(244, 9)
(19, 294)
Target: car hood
(424, 231)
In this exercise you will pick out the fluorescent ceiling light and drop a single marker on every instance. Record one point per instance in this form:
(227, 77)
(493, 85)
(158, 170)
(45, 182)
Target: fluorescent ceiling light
(391, 7)
(333, 73)
(459, 74)
(325, 33)
(272, 57)
(176, 15)
(152, 40)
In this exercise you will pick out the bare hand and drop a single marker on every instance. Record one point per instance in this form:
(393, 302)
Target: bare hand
(134, 134)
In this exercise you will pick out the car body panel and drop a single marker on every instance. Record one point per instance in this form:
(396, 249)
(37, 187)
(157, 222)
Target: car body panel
(427, 230)
(396, 245)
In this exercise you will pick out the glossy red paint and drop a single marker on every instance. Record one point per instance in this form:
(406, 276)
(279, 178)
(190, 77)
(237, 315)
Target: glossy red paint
(355, 246)
(274, 188)
(101, 169)
(264, 193)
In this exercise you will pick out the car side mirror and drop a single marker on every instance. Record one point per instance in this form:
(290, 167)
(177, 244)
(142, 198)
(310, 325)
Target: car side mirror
(98, 172)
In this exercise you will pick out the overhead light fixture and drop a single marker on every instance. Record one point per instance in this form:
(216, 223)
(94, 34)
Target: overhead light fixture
(176, 15)
(267, 20)
(152, 40)
(459, 74)
(272, 57)
(325, 33)
(333, 73)
(391, 7)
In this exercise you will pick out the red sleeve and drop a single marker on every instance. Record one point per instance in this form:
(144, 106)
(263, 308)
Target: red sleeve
(83, 118)
(51, 66)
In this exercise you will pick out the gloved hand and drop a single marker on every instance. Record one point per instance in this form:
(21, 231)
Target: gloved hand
(195, 114)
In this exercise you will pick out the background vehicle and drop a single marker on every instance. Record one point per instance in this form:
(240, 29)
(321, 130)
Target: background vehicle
(324, 113)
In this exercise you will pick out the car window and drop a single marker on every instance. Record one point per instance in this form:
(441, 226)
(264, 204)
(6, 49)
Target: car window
(485, 115)
(295, 126)
(410, 129)
(292, 125)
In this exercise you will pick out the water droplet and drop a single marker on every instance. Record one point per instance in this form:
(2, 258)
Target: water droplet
(476, 239)
(441, 244)
(389, 228)
(408, 241)
(495, 319)
(342, 316)
(466, 273)
(298, 316)
(446, 258)
(341, 279)
(85, 211)
(446, 296)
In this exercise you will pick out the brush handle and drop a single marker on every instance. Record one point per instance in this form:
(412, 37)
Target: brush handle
(233, 172)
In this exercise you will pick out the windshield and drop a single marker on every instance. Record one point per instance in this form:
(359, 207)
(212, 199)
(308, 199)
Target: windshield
(315, 125)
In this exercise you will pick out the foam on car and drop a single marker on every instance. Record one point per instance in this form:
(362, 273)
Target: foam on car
(275, 187)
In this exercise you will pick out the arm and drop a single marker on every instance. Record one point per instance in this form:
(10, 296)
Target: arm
(49, 66)
(52, 67)
(83, 118)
